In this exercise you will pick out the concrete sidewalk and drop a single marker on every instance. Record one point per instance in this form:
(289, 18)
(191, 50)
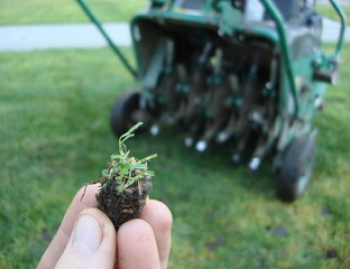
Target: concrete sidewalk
(85, 35)
(57, 36)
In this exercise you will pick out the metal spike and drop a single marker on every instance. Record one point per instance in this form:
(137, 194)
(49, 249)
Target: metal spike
(319, 104)
(154, 130)
(201, 146)
(222, 137)
(254, 163)
(188, 142)
(236, 158)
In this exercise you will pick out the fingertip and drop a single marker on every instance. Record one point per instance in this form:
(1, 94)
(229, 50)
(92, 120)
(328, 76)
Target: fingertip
(86, 196)
(158, 215)
(137, 247)
(136, 230)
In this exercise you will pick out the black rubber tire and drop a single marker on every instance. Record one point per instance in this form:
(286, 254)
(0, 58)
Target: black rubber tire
(121, 114)
(296, 169)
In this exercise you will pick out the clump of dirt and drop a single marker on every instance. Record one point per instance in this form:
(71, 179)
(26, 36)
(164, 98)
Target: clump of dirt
(125, 184)
(124, 204)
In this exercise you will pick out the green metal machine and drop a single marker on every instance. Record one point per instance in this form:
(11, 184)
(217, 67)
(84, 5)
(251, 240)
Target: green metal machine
(247, 71)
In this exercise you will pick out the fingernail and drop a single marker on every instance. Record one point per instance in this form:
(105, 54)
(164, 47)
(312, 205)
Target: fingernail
(87, 234)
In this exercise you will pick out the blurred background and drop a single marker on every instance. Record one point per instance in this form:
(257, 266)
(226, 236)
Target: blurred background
(55, 137)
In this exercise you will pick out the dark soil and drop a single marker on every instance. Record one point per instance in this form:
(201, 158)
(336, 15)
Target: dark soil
(121, 207)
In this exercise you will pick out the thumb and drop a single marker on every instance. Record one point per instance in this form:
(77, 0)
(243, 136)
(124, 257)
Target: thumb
(92, 243)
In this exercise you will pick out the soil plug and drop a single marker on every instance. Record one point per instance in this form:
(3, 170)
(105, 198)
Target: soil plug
(125, 184)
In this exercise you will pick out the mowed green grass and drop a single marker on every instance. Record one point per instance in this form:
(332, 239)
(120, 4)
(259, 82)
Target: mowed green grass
(328, 12)
(55, 137)
(65, 11)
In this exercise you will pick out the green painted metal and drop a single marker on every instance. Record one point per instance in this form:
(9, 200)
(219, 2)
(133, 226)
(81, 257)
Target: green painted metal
(160, 2)
(342, 17)
(155, 67)
(277, 18)
(108, 39)
(326, 66)
(303, 71)
(230, 18)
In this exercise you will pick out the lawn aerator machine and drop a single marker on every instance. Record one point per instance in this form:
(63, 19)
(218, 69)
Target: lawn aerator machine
(248, 71)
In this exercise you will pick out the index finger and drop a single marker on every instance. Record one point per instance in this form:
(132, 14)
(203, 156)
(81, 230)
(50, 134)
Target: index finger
(59, 242)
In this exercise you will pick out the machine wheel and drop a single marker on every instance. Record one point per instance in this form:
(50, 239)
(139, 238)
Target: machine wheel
(296, 169)
(123, 112)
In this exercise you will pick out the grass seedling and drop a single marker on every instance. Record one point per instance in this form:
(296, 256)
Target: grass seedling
(125, 183)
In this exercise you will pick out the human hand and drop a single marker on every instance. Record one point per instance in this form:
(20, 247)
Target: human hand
(87, 238)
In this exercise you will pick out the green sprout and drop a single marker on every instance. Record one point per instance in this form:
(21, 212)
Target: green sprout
(122, 169)
(125, 170)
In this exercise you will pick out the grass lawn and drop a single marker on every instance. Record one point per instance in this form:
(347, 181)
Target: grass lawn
(65, 11)
(55, 137)
(328, 12)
